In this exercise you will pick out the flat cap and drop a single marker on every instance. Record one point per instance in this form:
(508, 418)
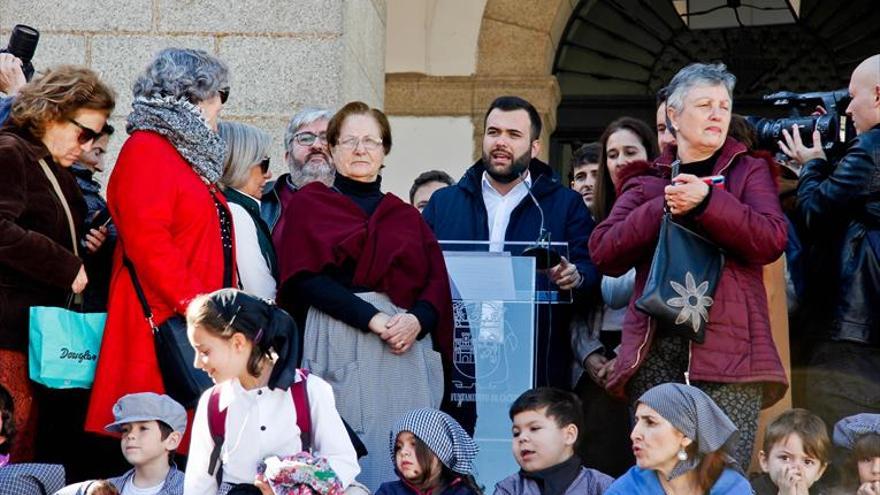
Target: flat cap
(147, 406)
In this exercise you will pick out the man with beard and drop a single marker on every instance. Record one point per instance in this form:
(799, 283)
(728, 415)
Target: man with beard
(491, 203)
(308, 158)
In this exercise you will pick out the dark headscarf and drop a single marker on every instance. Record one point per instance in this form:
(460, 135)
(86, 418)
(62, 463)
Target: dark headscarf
(696, 415)
(268, 326)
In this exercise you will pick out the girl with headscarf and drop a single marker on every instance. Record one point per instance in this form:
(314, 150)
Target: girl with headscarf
(249, 347)
(859, 437)
(681, 442)
(432, 454)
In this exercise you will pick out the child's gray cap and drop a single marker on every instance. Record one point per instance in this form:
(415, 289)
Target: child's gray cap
(147, 406)
(849, 429)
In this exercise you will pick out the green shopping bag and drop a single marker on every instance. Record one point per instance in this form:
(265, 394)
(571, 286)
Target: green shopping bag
(63, 347)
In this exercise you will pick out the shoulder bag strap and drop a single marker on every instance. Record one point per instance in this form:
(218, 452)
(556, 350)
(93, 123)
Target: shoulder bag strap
(303, 414)
(57, 187)
(74, 298)
(142, 298)
(217, 428)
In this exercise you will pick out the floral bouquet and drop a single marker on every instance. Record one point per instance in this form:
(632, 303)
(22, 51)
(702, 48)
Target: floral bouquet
(300, 474)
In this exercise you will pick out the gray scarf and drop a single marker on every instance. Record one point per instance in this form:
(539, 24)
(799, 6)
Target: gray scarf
(182, 124)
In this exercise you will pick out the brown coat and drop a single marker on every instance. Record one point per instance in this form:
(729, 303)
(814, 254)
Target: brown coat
(37, 264)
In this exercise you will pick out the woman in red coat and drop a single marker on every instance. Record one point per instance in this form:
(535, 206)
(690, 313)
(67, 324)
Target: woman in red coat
(737, 363)
(173, 223)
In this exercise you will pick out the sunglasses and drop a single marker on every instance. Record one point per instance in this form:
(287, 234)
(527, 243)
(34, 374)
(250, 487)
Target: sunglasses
(85, 134)
(264, 165)
(224, 95)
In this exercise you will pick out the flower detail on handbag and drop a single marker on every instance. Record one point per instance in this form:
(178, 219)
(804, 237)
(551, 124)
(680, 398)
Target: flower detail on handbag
(693, 301)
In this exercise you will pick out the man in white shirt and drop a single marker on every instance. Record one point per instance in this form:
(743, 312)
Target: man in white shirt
(492, 203)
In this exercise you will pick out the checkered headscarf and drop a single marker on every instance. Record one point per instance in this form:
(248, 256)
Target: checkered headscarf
(696, 415)
(849, 429)
(442, 434)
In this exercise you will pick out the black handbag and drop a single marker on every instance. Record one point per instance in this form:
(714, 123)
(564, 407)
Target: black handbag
(182, 380)
(682, 280)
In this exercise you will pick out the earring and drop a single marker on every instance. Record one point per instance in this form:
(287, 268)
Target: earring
(682, 455)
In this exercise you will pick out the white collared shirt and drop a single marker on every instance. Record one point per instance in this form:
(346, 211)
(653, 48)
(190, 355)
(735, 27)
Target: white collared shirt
(261, 423)
(499, 207)
(253, 271)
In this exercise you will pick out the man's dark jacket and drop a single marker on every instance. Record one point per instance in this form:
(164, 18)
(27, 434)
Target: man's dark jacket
(459, 213)
(99, 265)
(270, 203)
(841, 207)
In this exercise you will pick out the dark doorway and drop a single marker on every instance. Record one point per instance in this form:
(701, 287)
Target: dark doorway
(615, 54)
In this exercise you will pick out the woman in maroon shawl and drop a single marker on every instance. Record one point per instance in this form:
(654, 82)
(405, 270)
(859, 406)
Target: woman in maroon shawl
(373, 276)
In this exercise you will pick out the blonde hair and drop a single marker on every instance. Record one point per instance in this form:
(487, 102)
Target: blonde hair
(101, 487)
(59, 94)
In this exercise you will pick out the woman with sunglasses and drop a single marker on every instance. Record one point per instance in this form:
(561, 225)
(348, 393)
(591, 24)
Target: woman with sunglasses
(372, 274)
(174, 226)
(42, 214)
(245, 173)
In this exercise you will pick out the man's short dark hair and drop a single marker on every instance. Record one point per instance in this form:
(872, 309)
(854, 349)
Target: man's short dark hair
(564, 407)
(165, 430)
(511, 103)
(429, 176)
(662, 95)
(7, 413)
(587, 154)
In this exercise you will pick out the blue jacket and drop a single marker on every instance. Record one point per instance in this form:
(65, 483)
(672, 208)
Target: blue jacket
(5, 108)
(646, 482)
(400, 488)
(459, 213)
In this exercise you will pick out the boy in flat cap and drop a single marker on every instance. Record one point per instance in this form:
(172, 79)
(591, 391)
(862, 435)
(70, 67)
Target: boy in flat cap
(152, 426)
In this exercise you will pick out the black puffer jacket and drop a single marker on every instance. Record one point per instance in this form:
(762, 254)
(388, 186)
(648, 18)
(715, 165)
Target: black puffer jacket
(841, 206)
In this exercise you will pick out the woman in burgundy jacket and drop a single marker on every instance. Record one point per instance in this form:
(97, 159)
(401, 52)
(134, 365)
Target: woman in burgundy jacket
(737, 364)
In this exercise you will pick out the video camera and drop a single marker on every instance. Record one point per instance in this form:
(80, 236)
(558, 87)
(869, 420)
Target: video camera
(23, 44)
(834, 127)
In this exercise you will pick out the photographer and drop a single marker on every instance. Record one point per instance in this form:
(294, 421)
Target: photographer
(840, 203)
(11, 79)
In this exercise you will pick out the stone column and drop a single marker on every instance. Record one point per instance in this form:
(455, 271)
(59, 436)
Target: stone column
(282, 55)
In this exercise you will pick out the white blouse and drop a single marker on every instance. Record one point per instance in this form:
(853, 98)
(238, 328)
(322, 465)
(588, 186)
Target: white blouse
(261, 423)
(253, 271)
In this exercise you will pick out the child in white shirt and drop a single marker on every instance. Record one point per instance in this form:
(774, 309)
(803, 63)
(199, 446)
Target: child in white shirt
(249, 348)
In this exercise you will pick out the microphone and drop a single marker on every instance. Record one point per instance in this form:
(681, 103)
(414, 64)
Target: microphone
(545, 257)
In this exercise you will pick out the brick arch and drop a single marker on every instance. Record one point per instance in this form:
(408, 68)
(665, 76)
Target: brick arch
(520, 38)
(515, 52)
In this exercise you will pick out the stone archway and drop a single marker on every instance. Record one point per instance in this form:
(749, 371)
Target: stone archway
(515, 50)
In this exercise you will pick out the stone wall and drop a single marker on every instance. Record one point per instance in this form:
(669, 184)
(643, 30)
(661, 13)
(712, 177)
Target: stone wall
(282, 54)
(502, 47)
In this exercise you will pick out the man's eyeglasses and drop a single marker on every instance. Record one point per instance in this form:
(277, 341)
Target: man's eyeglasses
(86, 135)
(370, 143)
(264, 165)
(309, 138)
(224, 95)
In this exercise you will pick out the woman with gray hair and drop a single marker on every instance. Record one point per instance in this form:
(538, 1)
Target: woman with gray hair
(245, 173)
(736, 363)
(174, 224)
(681, 441)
